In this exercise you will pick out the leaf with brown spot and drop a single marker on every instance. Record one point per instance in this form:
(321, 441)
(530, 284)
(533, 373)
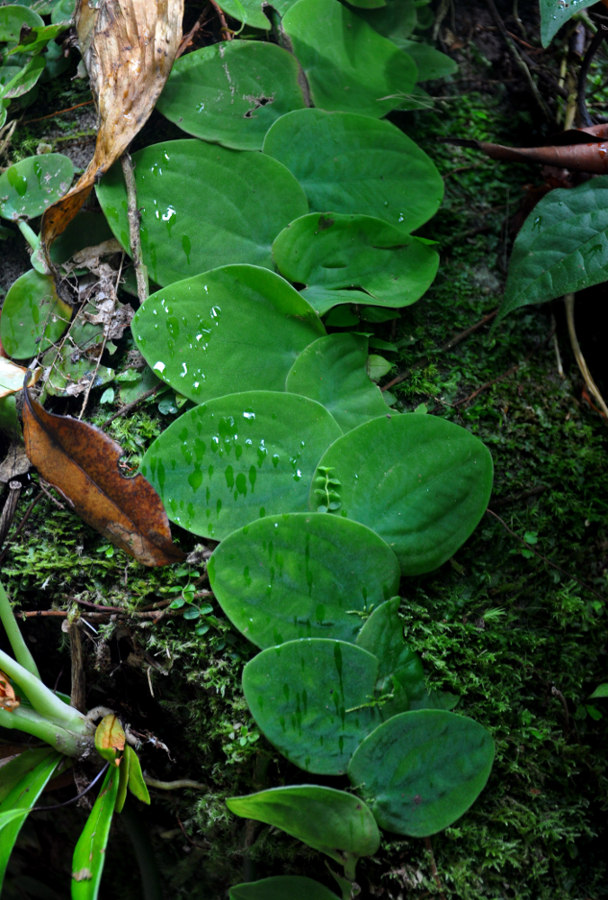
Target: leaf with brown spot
(82, 462)
(128, 47)
(8, 699)
(110, 739)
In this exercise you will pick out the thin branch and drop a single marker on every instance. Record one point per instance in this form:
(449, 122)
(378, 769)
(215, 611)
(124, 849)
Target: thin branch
(141, 272)
(580, 359)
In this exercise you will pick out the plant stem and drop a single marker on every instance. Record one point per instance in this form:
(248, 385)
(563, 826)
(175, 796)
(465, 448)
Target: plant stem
(62, 739)
(44, 701)
(18, 645)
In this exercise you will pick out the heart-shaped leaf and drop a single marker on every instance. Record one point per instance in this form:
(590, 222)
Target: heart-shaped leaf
(177, 181)
(296, 887)
(305, 574)
(33, 316)
(364, 72)
(246, 314)
(332, 370)
(326, 819)
(238, 458)
(422, 483)
(232, 92)
(29, 186)
(375, 261)
(421, 770)
(349, 163)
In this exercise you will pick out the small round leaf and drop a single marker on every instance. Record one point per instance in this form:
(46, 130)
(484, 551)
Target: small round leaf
(29, 186)
(33, 316)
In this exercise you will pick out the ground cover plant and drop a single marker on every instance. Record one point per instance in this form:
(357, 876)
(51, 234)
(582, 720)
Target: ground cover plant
(330, 510)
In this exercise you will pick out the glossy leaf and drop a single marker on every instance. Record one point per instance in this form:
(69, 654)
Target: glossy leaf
(246, 314)
(349, 163)
(395, 19)
(332, 370)
(421, 770)
(110, 739)
(314, 700)
(136, 783)
(251, 12)
(13, 17)
(422, 483)
(177, 180)
(82, 462)
(237, 458)
(301, 575)
(33, 316)
(23, 780)
(128, 47)
(375, 261)
(28, 187)
(555, 13)
(363, 73)
(232, 92)
(89, 853)
(279, 887)
(562, 246)
(326, 819)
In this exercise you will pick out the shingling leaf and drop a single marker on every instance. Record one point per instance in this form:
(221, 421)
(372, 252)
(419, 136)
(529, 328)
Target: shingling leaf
(82, 462)
(128, 48)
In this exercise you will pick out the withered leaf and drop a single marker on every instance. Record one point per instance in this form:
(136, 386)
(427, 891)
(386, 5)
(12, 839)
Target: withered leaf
(128, 47)
(82, 462)
(591, 157)
(110, 739)
(8, 698)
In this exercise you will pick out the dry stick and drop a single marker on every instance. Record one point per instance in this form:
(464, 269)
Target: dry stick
(545, 559)
(78, 692)
(153, 615)
(141, 272)
(129, 406)
(434, 870)
(227, 32)
(580, 359)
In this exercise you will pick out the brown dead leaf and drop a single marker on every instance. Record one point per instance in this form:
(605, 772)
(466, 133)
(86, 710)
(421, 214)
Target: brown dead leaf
(591, 157)
(8, 699)
(128, 47)
(82, 463)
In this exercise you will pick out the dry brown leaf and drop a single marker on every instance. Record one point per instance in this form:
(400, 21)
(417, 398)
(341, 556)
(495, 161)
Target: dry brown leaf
(8, 699)
(128, 47)
(589, 157)
(82, 462)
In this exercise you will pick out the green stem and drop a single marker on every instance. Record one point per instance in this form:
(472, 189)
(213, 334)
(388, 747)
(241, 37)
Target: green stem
(29, 234)
(61, 739)
(44, 701)
(18, 645)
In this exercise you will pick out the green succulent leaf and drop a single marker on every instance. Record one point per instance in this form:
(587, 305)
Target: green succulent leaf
(238, 458)
(354, 259)
(202, 206)
(33, 316)
(296, 887)
(90, 850)
(422, 483)
(348, 163)
(13, 17)
(301, 575)
(232, 92)
(29, 186)
(17, 81)
(246, 314)
(421, 770)
(326, 819)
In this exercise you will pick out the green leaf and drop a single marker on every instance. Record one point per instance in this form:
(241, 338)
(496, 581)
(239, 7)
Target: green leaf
(29, 186)
(279, 887)
(431, 63)
(314, 700)
(332, 370)
(136, 783)
(232, 92)
(364, 72)
(394, 20)
(89, 853)
(37, 39)
(202, 206)
(555, 13)
(13, 17)
(421, 770)
(301, 575)
(237, 458)
(246, 314)
(562, 246)
(420, 482)
(33, 316)
(361, 165)
(601, 691)
(22, 79)
(23, 780)
(326, 819)
(375, 261)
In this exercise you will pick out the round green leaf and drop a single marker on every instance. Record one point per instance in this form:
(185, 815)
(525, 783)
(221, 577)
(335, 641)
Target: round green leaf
(13, 17)
(232, 92)
(562, 246)
(29, 186)
(33, 316)
(364, 72)
(326, 819)
(395, 19)
(375, 261)
(349, 163)
(420, 482)
(332, 370)
(421, 770)
(555, 13)
(301, 575)
(313, 699)
(202, 206)
(251, 12)
(296, 887)
(238, 458)
(245, 314)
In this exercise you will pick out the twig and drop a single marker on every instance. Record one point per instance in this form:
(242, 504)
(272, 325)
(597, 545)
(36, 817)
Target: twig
(141, 272)
(434, 870)
(228, 33)
(154, 615)
(488, 384)
(580, 359)
(129, 406)
(78, 692)
(186, 40)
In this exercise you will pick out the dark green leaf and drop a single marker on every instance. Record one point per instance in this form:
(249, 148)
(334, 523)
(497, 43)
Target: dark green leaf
(555, 13)
(281, 887)
(29, 186)
(33, 316)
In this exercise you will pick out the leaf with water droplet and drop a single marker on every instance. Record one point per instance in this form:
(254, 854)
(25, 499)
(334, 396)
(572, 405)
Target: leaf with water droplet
(28, 187)
(33, 316)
